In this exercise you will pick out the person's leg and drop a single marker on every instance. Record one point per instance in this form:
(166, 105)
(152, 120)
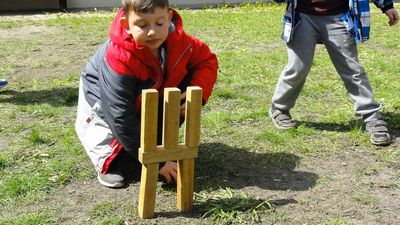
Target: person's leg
(342, 50)
(300, 52)
(96, 139)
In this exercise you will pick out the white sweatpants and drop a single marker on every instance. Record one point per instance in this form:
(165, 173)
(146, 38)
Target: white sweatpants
(93, 132)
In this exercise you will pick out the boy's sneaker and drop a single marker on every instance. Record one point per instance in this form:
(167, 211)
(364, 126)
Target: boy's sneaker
(3, 83)
(112, 180)
(281, 119)
(379, 134)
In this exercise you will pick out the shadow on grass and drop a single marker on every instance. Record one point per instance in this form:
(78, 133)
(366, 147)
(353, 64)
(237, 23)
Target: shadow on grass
(222, 171)
(221, 166)
(392, 119)
(55, 97)
(340, 127)
(231, 206)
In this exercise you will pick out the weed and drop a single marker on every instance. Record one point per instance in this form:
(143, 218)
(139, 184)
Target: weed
(102, 209)
(40, 218)
(336, 221)
(228, 206)
(3, 162)
(35, 137)
(368, 171)
(365, 199)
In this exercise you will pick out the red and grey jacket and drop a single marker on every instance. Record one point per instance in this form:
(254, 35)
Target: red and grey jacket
(118, 72)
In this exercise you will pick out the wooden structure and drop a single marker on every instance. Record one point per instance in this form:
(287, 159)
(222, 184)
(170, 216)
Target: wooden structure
(62, 4)
(150, 154)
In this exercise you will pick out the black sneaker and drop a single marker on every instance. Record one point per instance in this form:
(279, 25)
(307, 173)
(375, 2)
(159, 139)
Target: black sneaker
(112, 180)
(281, 119)
(379, 134)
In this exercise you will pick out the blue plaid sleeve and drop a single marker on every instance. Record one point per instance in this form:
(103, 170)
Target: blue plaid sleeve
(384, 4)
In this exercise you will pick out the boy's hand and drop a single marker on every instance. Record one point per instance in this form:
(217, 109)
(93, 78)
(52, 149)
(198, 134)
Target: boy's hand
(393, 16)
(183, 105)
(169, 171)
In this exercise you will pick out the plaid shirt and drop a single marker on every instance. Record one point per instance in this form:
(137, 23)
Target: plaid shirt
(356, 20)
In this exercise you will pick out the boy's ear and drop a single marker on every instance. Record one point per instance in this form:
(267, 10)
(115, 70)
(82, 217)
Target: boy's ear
(123, 21)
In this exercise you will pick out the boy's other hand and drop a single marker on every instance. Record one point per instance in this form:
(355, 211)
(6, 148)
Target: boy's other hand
(393, 16)
(169, 171)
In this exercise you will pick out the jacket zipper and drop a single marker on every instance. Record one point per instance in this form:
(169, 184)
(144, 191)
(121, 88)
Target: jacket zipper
(180, 57)
(158, 84)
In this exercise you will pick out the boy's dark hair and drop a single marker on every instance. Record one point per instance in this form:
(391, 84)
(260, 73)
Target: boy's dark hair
(143, 6)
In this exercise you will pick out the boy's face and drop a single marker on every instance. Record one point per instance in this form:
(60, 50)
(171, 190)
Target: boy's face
(149, 29)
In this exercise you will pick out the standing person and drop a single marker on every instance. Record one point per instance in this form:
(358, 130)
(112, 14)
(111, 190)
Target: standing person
(148, 48)
(339, 25)
(3, 83)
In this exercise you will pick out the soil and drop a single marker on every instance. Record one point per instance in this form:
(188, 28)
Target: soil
(294, 192)
(313, 191)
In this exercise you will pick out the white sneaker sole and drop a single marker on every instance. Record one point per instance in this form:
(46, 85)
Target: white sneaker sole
(111, 185)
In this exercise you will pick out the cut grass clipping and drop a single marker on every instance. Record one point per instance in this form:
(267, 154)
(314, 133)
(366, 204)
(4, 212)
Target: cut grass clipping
(228, 206)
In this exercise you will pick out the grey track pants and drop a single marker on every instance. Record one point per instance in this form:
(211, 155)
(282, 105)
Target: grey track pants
(342, 50)
(93, 132)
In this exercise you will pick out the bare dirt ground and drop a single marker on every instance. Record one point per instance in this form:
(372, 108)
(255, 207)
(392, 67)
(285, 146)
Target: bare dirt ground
(340, 191)
(312, 191)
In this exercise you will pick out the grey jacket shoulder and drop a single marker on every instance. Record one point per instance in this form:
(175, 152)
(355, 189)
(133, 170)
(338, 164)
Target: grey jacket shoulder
(90, 75)
(116, 94)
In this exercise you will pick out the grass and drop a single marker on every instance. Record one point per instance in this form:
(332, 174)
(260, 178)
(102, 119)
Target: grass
(32, 218)
(337, 221)
(41, 156)
(365, 199)
(230, 206)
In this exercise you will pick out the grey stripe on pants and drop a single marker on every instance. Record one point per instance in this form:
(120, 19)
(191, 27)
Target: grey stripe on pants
(342, 50)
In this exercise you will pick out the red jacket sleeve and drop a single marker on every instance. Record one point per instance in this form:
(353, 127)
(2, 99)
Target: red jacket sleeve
(204, 65)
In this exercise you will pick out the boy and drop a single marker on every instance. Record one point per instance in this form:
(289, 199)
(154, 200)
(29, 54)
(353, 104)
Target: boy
(147, 49)
(338, 24)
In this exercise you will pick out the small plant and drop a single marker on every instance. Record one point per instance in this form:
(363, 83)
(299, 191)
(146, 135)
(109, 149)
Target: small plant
(336, 221)
(228, 206)
(71, 97)
(365, 199)
(368, 171)
(35, 137)
(3, 162)
(102, 209)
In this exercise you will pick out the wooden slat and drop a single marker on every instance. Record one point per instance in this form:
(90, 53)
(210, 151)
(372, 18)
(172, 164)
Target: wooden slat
(171, 118)
(161, 154)
(185, 185)
(194, 97)
(148, 135)
(148, 140)
(185, 179)
(148, 189)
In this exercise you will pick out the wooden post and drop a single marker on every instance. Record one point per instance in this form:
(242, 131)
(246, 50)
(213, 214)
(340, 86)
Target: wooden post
(185, 180)
(148, 140)
(171, 118)
(150, 154)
